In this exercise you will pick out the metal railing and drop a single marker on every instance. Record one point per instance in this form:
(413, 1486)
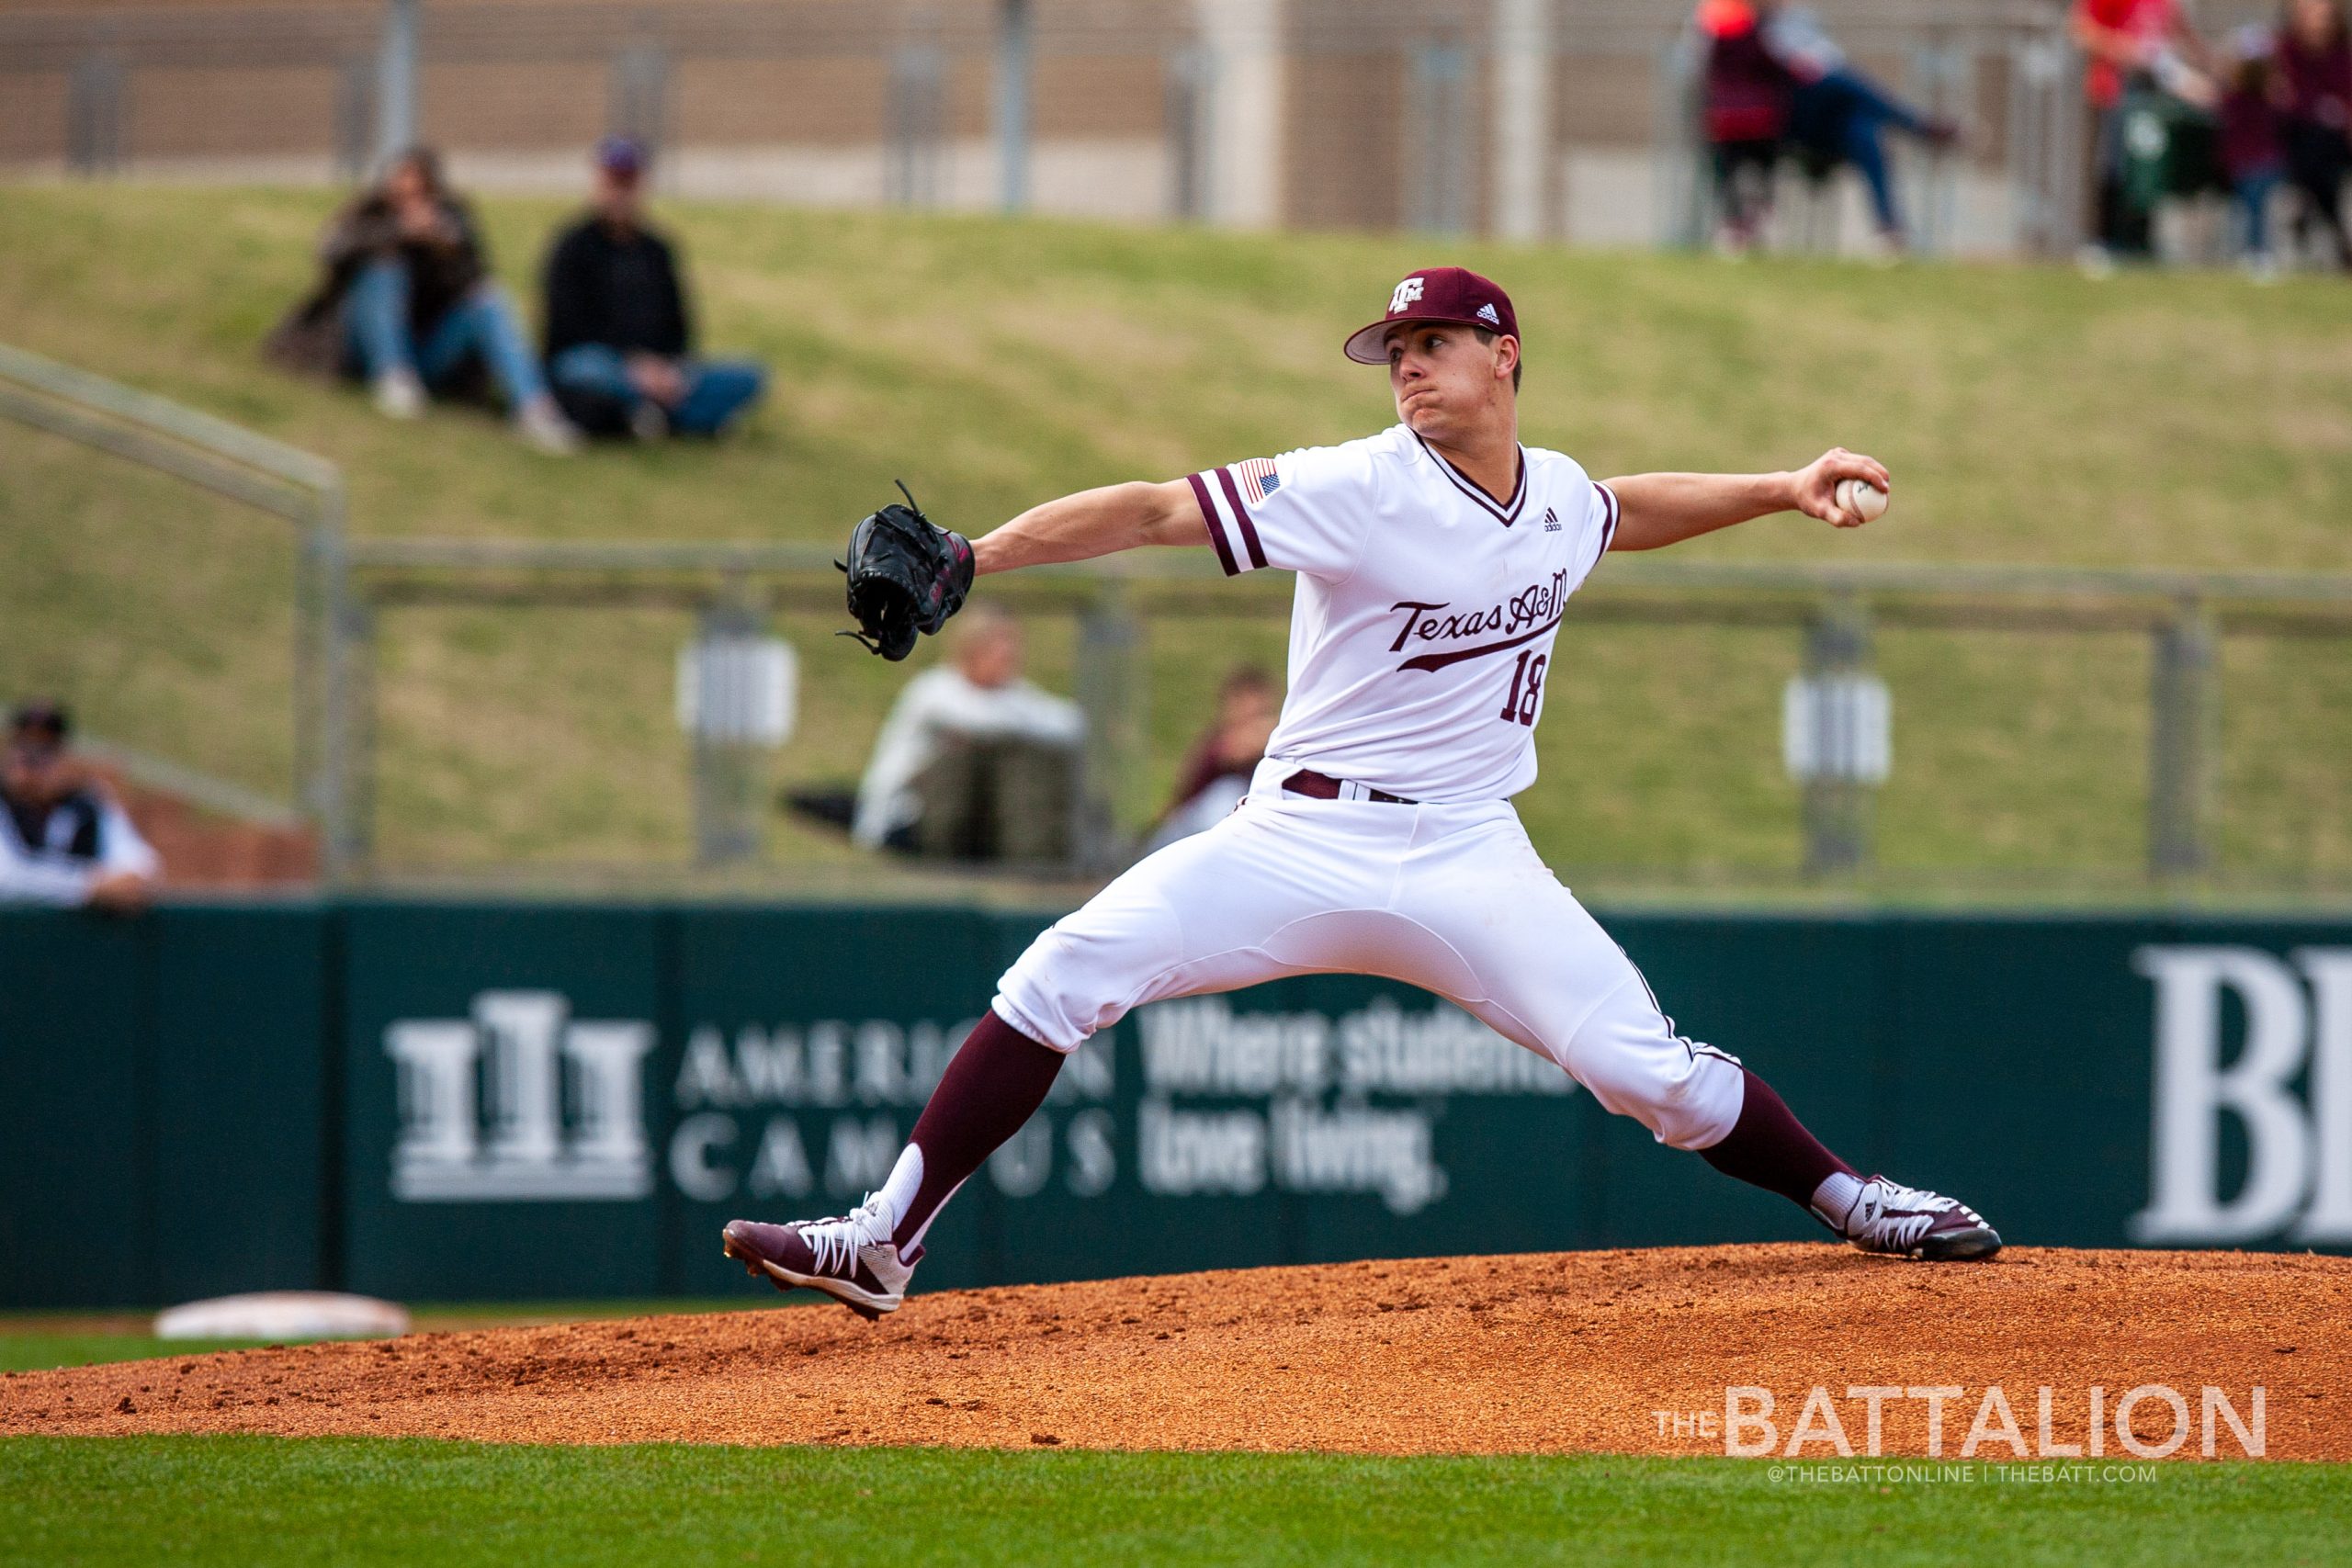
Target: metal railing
(305, 490)
(347, 583)
(1832, 606)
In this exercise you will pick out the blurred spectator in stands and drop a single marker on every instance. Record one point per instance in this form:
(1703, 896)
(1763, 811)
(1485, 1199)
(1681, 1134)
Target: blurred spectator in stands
(975, 763)
(619, 335)
(1215, 774)
(2143, 46)
(408, 305)
(1748, 99)
(2314, 65)
(2254, 153)
(1836, 113)
(64, 837)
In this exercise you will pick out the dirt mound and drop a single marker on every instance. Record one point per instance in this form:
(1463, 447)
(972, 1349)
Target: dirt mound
(1544, 1352)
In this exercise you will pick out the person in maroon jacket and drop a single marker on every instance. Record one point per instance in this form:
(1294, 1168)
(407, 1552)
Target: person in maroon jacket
(1748, 99)
(1215, 773)
(2315, 73)
(2254, 153)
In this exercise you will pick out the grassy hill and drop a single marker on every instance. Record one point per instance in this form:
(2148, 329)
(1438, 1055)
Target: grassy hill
(2184, 421)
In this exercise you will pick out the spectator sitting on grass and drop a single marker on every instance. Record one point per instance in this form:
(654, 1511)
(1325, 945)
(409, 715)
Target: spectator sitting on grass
(619, 336)
(63, 837)
(1215, 775)
(409, 305)
(974, 762)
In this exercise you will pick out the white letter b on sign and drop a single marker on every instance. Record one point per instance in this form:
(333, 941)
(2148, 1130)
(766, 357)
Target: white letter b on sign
(2193, 1088)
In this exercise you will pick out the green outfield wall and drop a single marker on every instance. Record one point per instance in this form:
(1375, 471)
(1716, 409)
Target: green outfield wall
(478, 1100)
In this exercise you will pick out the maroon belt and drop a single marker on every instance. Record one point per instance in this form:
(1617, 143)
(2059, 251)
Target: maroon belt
(1323, 786)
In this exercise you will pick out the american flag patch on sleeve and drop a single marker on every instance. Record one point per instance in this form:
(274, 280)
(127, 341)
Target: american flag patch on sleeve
(1257, 478)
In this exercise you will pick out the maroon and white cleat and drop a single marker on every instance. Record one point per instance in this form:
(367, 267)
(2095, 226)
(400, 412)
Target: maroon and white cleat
(851, 1258)
(1910, 1222)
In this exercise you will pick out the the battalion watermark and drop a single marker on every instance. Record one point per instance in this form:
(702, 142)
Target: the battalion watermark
(2150, 1421)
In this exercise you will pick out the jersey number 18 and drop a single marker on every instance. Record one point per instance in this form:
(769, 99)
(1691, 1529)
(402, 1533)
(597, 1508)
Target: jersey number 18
(1526, 687)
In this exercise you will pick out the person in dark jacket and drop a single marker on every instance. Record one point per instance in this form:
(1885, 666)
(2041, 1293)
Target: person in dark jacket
(408, 305)
(619, 335)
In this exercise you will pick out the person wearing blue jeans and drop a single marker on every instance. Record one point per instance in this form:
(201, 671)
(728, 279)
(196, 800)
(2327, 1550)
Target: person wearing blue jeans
(408, 305)
(1839, 118)
(478, 328)
(619, 336)
(1836, 115)
(703, 397)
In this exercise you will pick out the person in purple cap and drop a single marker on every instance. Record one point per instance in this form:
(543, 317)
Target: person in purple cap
(619, 335)
(1434, 563)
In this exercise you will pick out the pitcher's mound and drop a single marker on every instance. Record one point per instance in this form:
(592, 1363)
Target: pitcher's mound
(1621, 1351)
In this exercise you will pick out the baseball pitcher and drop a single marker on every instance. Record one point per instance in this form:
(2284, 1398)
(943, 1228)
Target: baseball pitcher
(1435, 561)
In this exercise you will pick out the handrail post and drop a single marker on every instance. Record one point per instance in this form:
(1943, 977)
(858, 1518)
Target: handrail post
(1016, 59)
(396, 72)
(726, 759)
(2183, 729)
(1112, 691)
(1836, 739)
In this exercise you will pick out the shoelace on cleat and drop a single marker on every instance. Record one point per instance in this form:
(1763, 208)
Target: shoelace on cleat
(833, 1244)
(1899, 1217)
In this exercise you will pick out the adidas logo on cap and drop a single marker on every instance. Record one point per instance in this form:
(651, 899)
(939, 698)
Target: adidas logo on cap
(1488, 314)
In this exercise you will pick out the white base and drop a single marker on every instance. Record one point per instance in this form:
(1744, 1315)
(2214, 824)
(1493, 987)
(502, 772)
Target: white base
(283, 1315)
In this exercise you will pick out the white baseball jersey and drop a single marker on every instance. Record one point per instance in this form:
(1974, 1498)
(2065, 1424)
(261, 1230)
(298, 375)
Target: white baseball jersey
(1426, 609)
(1423, 628)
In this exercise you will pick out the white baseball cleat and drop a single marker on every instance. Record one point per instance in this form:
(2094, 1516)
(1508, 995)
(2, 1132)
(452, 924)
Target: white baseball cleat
(851, 1259)
(1910, 1222)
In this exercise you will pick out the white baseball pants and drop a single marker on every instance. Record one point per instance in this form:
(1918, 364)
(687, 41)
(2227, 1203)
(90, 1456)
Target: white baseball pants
(1451, 898)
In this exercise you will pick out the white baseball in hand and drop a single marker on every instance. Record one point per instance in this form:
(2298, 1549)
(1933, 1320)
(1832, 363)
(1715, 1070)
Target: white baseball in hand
(1859, 498)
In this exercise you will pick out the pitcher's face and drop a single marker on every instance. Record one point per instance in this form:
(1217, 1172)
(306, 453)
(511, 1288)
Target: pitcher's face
(1446, 382)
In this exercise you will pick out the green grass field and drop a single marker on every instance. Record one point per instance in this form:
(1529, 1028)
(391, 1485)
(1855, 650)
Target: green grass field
(2030, 416)
(249, 1500)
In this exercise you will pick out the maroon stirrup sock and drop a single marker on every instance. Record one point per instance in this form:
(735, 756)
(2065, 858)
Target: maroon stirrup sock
(1768, 1148)
(994, 1083)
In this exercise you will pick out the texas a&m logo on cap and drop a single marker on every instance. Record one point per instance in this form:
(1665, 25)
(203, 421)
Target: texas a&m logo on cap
(1436, 294)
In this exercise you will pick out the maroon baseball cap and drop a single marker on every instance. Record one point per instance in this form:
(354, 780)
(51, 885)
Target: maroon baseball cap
(1436, 294)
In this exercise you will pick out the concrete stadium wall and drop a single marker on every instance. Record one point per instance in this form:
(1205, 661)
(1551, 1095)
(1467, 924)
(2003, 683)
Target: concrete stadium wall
(473, 1101)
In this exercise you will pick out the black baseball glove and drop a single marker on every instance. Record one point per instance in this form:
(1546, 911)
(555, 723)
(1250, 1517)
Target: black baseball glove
(905, 577)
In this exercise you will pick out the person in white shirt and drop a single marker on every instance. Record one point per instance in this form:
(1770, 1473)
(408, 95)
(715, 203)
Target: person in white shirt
(980, 697)
(64, 840)
(1434, 563)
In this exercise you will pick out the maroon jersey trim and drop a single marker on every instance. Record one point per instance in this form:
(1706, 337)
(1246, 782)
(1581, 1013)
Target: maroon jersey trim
(1505, 514)
(1217, 526)
(1242, 518)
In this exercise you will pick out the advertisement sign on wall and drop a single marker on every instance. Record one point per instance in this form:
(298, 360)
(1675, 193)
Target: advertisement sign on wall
(471, 1101)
